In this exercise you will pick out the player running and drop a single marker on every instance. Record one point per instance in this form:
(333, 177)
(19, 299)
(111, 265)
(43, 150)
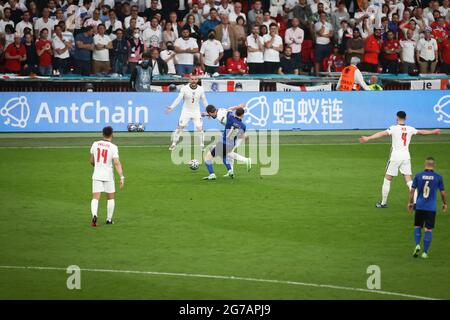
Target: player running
(426, 183)
(234, 131)
(191, 94)
(221, 115)
(103, 154)
(400, 158)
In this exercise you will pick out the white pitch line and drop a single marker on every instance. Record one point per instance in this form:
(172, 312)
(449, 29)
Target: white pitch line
(164, 146)
(220, 277)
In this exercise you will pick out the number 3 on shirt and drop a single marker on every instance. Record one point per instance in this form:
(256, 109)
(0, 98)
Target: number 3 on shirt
(404, 138)
(103, 153)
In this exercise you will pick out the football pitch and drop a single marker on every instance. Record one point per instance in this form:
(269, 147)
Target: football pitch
(309, 232)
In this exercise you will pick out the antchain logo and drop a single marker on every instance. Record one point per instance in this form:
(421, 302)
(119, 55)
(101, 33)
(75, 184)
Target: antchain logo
(443, 103)
(16, 111)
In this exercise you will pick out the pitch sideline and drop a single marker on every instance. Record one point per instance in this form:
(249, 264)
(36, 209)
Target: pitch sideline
(236, 278)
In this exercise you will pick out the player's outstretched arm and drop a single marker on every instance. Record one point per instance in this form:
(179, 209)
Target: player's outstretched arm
(444, 201)
(119, 170)
(240, 106)
(175, 103)
(375, 136)
(428, 132)
(411, 199)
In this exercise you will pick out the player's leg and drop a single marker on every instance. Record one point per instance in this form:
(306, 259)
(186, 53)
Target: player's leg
(238, 157)
(418, 224)
(405, 169)
(177, 133)
(209, 164)
(198, 123)
(391, 171)
(227, 160)
(97, 189)
(428, 235)
(111, 204)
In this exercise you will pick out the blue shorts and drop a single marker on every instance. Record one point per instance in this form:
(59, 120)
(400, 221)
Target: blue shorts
(321, 51)
(221, 149)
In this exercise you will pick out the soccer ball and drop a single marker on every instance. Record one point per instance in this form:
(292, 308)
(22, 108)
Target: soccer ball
(194, 164)
(140, 127)
(132, 127)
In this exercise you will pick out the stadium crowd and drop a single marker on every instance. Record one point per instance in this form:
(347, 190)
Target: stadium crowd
(54, 37)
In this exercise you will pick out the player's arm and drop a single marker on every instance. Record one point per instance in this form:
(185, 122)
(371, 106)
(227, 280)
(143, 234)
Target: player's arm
(428, 132)
(205, 102)
(240, 106)
(92, 160)
(444, 200)
(176, 102)
(119, 170)
(411, 199)
(375, 136)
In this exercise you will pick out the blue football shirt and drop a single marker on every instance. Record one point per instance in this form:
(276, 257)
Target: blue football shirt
(234, 127)
(427, 183)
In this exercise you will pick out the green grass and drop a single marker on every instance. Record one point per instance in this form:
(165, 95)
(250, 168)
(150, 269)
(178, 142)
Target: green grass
(313, 222)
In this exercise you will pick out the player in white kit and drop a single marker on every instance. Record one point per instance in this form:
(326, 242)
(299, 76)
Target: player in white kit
(220, 114)
(191, 94)
(400, 159)
(103, 155)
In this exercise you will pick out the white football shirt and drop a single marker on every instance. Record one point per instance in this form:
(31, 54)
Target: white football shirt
(104, 152)
(222, 115)
(401, 137)
(191, 98)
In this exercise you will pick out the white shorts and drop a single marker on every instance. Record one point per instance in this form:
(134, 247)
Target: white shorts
(103, 186)
(186, 117)
(403, 165)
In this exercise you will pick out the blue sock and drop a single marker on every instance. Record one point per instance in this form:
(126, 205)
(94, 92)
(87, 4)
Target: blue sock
(209, 166)
(225, 162)
(427, 240)
(417, 235)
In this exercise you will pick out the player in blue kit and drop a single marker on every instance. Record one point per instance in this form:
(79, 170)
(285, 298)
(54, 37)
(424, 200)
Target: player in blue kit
(233, 133)
(427, 183)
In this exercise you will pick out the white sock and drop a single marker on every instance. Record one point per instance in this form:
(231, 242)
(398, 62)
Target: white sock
(176, 136)
(110, 209)
(237, 157)
(385, 191)
(202, 138)
(94, 207)
(409, 184)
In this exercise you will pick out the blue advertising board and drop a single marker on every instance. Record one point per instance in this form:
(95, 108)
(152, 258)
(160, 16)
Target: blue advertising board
(70, 111)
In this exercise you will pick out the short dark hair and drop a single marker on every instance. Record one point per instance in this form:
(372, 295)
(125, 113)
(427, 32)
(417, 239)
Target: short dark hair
(430, 159)
(240, 112)
(107, 131)
(146, 55)
(210, 108)
(401, 115)
(273, 24)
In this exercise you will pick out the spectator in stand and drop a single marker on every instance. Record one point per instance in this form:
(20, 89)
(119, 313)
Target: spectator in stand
(263, 30)
(211, 53)
(226, 35)
(316, 15)
(45, 53)
(104, 14)
(391, 54)
(372, 49)
(236, 13)
(373, 84)
(255, 52)
(225, 7)
(61, 49)
(9, 34)
(336, 61)
(100, 57)
(125, 11)
(52, 8)
(194, 31)
(267, 19)
(119, 53)
(169, 57)
(6, 20)
(344, 33)
(408, 46)
(16, 10)
(152, 36)
(140, 22)
(173, 20)
(25, 23)
(15, 54)
(30, 65)
(302, 11)
(440, 30)
(158, 65)
(129, 32)
(209, 24)
(355, 46)
(273, 47)
(210, 4)
(324, 34)
(445, 55)
(93, 22)
(136, 45)
(59, 16)
(427, 53)
(68, 36)
(236, 65)
(112, 25)
(257, 9)
(289, 8)
(81, 15)
(44, 23)
(339, 15)
(168, 35)
(168, 6)
(150, 12)
(241, 35)
(196, 12)
(141, 76)
(394, 25)
(293, 38)
(84, 43)
(276, 7)
(185, 47)
(288, 65)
